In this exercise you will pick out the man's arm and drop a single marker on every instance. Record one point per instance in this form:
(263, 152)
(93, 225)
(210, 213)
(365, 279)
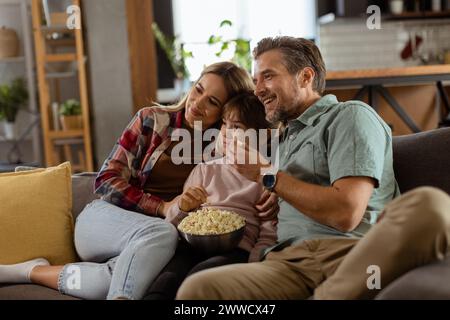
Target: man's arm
(340, 206)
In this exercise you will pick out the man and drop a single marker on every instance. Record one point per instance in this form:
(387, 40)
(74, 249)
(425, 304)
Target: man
(334, 179)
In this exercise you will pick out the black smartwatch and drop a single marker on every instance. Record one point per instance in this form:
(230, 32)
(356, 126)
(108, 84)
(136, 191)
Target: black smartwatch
(269, 180)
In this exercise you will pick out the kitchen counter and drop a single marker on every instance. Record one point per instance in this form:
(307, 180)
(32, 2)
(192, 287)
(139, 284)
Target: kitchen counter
(372, 82)
(440, 71)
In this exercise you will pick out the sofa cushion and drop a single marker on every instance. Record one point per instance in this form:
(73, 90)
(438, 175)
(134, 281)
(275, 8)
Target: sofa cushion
(423, 159)
(30, 292)
(82, 191)
(427, 282)
(35, 216)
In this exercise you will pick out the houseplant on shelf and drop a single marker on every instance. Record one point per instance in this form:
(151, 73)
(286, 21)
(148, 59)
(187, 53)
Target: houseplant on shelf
(70, 115)
(241, 46)
(177, 55)
(12, 99)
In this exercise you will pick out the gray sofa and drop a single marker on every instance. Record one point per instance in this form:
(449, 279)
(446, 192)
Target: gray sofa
(419, 159)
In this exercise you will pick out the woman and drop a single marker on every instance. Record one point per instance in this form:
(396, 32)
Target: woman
(216, 184)
(121, 238)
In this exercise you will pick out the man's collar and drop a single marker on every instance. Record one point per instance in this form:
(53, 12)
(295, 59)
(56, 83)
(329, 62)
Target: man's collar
(317, 109)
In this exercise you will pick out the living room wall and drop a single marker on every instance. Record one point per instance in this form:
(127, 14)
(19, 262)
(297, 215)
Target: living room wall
(109, 72)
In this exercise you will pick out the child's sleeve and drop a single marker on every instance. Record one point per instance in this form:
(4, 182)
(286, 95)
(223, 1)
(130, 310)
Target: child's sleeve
(174, 214)
(267, 237)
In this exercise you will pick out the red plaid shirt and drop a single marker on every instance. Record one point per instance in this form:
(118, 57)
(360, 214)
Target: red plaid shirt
(123, 175)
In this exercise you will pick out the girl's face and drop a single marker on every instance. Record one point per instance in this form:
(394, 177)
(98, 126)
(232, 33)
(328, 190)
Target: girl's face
(231, 124)
(205, 101)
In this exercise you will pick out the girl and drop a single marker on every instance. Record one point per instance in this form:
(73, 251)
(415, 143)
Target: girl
(219, 185)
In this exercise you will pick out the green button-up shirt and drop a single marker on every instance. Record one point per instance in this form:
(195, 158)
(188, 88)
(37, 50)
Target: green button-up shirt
(329, 141)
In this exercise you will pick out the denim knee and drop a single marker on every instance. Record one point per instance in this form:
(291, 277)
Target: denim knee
(162, 231)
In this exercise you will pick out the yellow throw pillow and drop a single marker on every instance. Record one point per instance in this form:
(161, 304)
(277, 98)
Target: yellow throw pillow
(35, 216)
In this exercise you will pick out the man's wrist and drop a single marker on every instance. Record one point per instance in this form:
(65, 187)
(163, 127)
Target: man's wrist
(270, 179)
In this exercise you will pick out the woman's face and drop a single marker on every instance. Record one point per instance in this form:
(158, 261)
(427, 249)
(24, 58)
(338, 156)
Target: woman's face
(205, 101)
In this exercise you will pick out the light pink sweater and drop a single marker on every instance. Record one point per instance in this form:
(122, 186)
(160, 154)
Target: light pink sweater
(228, 190)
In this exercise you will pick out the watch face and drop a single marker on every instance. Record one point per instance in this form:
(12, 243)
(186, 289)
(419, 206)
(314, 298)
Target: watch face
(269, 180)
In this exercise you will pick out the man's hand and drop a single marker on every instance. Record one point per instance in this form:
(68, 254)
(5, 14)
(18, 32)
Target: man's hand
(267, 206)
(192, 198)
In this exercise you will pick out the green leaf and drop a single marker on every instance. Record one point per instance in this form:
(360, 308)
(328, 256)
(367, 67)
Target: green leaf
(241, 55)
(71, 107)
(225, 23)
(213, 39)
(224, 47)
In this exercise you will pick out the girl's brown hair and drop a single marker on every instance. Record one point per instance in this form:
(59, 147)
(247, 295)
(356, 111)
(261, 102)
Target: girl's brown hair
(249, 110)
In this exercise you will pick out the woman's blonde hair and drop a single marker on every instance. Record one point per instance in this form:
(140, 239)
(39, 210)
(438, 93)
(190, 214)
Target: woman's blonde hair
(235, 78)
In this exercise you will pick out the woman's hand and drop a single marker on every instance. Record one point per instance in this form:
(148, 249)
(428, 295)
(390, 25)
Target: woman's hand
(267, 206)
(165, 206)
(192, 198)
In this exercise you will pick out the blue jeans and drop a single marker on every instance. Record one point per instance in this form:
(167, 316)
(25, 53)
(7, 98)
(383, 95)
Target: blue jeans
(126, 250)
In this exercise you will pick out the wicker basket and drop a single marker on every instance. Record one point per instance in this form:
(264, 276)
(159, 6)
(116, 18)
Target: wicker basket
(71, 122)
(9, 43)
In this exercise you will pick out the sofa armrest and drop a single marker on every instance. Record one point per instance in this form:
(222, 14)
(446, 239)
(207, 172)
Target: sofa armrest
(82, 191)
(423, 283)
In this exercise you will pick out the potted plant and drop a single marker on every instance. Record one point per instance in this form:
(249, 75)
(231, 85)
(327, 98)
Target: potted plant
(241, 55)
(12, 99)
(177, 55)
(70, 115)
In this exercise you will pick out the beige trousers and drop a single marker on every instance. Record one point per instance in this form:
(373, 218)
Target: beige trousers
(415, 230)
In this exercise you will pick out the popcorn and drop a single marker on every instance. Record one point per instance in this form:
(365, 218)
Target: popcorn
(211, 221)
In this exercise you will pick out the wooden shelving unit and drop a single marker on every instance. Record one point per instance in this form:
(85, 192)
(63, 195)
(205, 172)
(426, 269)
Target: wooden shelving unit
(29, 129)
(54, 139)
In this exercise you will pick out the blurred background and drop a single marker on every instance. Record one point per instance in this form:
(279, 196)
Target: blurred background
(129, 53)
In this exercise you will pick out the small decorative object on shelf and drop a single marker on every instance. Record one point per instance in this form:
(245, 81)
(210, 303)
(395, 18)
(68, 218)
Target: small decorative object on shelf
(9, 43)
(70, 115)
(396, 6)
(12, 98)
(436, 5)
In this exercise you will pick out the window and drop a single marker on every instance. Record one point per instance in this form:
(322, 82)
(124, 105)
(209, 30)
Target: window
(196, 20)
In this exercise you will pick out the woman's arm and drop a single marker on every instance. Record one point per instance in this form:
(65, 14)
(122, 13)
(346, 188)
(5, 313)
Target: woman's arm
(113, 180)
(171, 211)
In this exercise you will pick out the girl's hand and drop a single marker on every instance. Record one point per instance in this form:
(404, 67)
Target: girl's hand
(192, 198)
(267, 206)
(254, 164)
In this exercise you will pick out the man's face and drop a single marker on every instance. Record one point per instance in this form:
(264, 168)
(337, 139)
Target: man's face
(276, 88)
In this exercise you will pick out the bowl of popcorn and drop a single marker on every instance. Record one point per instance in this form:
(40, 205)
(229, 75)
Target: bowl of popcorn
(212, 231)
